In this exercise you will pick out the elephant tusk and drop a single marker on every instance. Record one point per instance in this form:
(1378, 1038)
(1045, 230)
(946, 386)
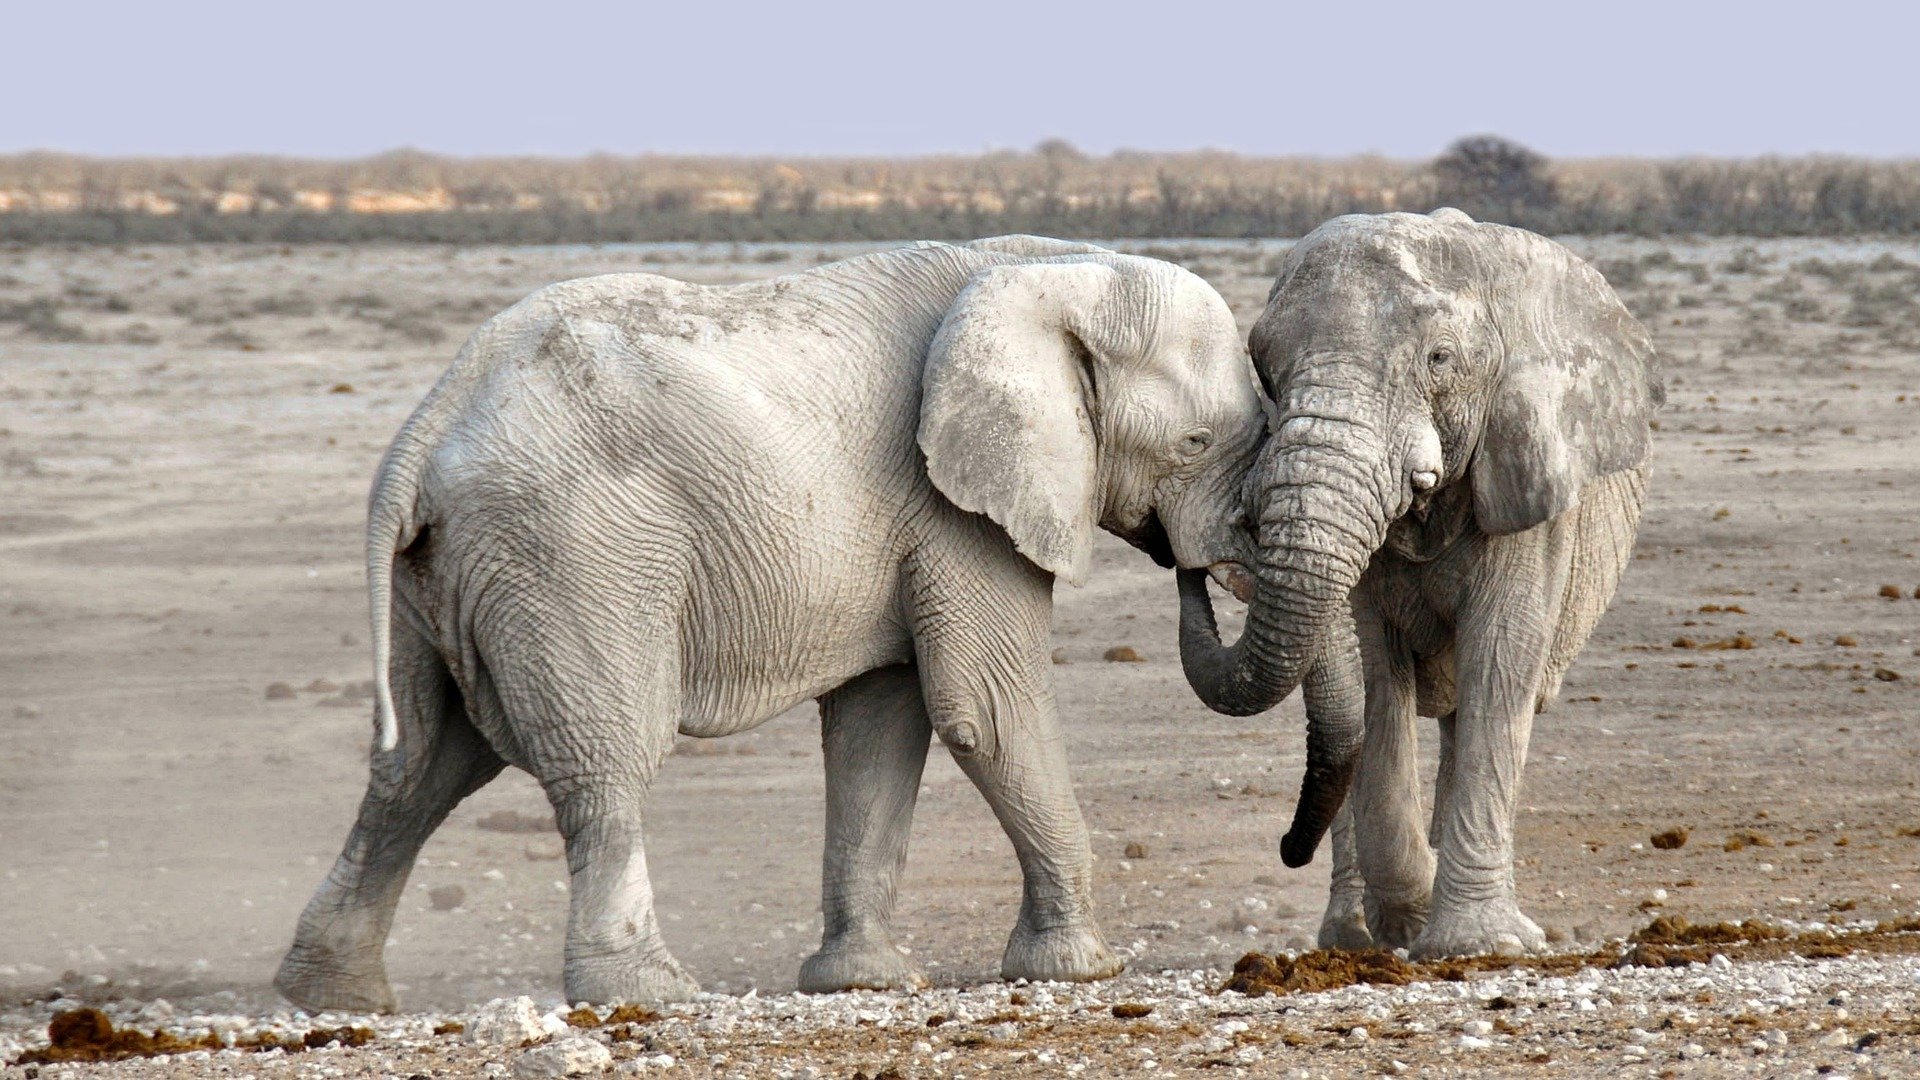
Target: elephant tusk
(1234, 578)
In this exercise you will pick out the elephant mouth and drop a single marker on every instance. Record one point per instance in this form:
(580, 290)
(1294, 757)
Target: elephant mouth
(1234, 578)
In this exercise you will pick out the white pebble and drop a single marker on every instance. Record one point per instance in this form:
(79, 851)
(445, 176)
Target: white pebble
(567, 1057)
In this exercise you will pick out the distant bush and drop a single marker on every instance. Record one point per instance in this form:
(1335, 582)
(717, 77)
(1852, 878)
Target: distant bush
(1493, 178)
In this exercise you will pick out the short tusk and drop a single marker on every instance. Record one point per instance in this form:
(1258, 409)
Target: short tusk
(1425, 480)
(1234, 578)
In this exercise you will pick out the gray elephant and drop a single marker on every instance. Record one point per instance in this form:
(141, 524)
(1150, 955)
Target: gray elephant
(636, 507)
(1444, 510)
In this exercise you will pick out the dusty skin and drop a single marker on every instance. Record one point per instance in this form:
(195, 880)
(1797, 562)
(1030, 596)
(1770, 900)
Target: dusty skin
(186, 437)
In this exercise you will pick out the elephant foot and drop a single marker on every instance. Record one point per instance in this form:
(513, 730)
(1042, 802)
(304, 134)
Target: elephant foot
(859, 965)
(1344, 926)
(643, 979)
(1396, 922)
(1073, 953)
(319, 980)
(1495, 926)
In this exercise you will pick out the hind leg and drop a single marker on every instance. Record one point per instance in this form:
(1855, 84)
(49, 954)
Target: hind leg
(336, 960)
(1344, 926)
(875, 733)
(594, 708)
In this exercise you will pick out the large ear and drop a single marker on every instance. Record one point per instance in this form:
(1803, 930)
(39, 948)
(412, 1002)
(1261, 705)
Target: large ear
(1577, 390)
(1006, 406)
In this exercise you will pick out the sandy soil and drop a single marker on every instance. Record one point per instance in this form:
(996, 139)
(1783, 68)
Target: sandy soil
(185, 441)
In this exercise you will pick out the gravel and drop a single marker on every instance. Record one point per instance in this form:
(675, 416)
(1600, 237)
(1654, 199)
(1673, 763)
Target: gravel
(1856, 1015)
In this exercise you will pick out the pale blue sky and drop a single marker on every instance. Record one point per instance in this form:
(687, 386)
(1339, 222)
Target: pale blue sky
(1338, 77)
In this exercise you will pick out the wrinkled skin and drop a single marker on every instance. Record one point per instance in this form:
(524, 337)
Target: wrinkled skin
(635, 508)
(1444, 509)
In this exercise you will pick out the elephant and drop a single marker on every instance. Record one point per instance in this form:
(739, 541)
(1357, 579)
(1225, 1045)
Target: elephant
(634, 507)
(1444, 508)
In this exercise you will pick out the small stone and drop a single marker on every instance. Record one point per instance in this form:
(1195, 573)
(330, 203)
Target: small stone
(1123, 654)
(1136, 850)
(1891, 592)
(446, 897)
(279, 692)
(322, 686)
(505, 1022)
(574, 1056)
(1846, 641)
(1477, 1027)
(1131, 1010)
(1474, 1042)
(1886, 674)
(1720, 963)
(1060, 657)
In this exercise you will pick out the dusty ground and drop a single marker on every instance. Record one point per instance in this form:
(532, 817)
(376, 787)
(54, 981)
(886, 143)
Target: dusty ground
(185, 441)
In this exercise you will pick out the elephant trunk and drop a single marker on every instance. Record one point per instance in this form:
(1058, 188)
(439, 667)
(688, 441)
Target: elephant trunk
(1324, 511)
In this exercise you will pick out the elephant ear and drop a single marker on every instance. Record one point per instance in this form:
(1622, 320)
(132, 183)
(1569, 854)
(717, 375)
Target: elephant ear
(1007, 401)
(1577, 391)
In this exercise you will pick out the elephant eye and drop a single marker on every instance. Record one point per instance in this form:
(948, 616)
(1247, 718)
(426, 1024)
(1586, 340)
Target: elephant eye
(1439, 356)
(1197, 442)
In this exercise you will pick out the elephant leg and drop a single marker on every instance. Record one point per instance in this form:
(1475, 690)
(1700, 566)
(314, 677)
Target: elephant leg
(336, 961)
(1502, 646)
(1389, 835)
(981, 640)
(1344, 926)
(1442, 780)
(875, 733)
(595, 708)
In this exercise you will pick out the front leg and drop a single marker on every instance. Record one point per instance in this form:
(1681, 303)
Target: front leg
(1501, 654)
(980, 633)
(1389, 836)
(875, 732)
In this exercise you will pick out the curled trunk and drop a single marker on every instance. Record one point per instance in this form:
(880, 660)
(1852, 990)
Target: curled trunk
(1321, 521)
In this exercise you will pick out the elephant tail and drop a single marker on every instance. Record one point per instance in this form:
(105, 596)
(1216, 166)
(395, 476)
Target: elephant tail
(394, 522)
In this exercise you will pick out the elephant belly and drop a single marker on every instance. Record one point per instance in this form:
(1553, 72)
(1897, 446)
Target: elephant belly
(748, 657)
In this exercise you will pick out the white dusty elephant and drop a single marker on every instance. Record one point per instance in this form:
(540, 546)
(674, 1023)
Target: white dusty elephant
(1444, 510)
(636, 507)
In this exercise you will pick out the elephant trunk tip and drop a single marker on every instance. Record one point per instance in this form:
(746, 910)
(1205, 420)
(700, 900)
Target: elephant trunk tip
(1296, 849)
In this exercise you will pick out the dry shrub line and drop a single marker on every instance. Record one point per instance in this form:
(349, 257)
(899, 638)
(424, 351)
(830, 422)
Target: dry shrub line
(1053, 189)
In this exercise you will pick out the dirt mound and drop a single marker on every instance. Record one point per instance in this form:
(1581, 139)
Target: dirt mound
(88, 1035)
(1676, 930)
(1322, 969)
(1667, 941)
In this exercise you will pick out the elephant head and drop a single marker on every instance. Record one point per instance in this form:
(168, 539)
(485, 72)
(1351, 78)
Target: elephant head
(1068, 392)
(1417, 364)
